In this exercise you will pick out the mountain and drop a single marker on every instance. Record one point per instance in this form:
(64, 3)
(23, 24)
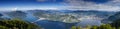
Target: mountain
(67, 16)
(60, 18)
(113, 17)
(72, 16)
(16, 14)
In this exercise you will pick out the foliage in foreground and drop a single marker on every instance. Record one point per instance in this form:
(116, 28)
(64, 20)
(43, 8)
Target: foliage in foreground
(16, 24)
(114, 25)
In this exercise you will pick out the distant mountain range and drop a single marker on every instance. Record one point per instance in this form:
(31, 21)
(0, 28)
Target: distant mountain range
(55, 17)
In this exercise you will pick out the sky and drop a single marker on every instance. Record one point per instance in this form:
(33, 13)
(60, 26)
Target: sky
(101, 5)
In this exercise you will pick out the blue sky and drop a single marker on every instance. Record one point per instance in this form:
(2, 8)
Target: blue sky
(28, 4)
(102, 5)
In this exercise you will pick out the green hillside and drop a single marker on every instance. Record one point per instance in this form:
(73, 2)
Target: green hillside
(16, 24)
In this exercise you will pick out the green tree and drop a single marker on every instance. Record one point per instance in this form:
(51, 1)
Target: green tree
(88, 27)
(106, 26)
(78, 27)
(17, 24)
(118, 27)
(114, 28)
(94, 27)
(73, 27)
(3, 27)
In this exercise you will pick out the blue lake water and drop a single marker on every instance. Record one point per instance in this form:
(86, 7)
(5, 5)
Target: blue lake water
(54, 24)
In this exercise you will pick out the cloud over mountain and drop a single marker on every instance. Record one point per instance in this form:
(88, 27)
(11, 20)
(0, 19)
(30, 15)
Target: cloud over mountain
(103, 5)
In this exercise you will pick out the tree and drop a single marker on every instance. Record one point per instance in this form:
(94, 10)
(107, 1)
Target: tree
(94, 27)
(116, 24)
(88, 27)
(73, 27)
(78, 27)
(16, 24)
(106, 26)
(3, 27)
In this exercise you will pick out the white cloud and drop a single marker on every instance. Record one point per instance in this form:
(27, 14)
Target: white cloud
(49, 8)
(82, 5)
(14, 9)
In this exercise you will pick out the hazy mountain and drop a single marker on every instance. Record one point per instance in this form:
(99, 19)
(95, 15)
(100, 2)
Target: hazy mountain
(72, 16)
(16, 14)
(61, 17)
(68, 16)
(115, 16)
